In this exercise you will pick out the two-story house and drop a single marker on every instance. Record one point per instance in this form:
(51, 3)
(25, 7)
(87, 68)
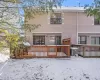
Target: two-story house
(66, 22)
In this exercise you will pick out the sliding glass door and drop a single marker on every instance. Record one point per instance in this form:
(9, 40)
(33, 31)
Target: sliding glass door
(38, 40)
(54, 40)
(47, 39)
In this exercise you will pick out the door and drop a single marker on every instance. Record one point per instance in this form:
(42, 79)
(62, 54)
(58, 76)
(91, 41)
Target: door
(51, 40)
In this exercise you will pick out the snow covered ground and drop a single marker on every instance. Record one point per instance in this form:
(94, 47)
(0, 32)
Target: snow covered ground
(74, 68)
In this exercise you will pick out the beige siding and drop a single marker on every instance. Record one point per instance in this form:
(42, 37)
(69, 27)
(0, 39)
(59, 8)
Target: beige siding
(71, 20)
(68, 29)
(86, 24)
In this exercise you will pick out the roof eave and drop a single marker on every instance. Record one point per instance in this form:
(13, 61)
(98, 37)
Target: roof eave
(64, 10)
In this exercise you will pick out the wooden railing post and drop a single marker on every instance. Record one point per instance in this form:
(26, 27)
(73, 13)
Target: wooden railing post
(56, 50)
(47, 51)
(68, 51)
(16, 53)
(83, 51)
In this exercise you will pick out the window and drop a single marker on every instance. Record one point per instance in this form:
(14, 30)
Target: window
(82, 40)
(95, 40)
(39, 40)
(96, 22)
(56, 18)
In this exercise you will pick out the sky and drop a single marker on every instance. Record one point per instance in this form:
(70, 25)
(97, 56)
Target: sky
(73, 3)
(76, 2)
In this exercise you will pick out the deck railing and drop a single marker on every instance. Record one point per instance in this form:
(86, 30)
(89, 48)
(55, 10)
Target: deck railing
(51, 48)
(47, 51)
(88, 50)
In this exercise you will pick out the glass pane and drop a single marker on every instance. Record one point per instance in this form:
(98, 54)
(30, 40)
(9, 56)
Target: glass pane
(96, 21)
(38, 40)
(83, 38)
(55, 21)
(93, 40)
(58, 40)
(78, 39)
(56, 18)
(97, 40)
(52, 40)
(55, 15)
(58, 15)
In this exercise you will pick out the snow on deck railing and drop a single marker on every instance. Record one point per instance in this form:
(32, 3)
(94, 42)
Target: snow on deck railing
(26, 43)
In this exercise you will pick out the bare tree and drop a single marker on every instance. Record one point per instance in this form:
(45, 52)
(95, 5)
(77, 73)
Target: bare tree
(11, 19)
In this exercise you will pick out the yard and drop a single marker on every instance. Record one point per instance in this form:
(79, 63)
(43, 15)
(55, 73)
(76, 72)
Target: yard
(74, 68)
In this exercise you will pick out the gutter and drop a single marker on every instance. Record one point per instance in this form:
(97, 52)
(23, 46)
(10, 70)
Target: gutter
(77, 27)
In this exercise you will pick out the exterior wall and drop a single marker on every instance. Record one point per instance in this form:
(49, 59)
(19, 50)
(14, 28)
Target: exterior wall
(86, 27)
(86, 24)
(74, 23)
(68, 29)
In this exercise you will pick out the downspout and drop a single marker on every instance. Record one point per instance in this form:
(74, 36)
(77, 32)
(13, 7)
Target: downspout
(77, 26)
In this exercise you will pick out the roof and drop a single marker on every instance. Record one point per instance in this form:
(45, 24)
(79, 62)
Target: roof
(72, 9)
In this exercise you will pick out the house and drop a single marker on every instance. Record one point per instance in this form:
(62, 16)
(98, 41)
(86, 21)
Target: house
(69, 24)
(66, 22)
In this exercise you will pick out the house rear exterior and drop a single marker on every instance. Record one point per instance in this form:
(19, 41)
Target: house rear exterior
(67, 22)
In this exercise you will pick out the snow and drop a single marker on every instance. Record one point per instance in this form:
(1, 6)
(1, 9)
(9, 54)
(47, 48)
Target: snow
(26, 43)
(4, 55)
(74, 68)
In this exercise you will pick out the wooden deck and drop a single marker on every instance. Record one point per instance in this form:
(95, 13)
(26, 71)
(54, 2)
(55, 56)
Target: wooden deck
(45, 51)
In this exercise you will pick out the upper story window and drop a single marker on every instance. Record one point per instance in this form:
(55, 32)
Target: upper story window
(96, 21)
(56, 18)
